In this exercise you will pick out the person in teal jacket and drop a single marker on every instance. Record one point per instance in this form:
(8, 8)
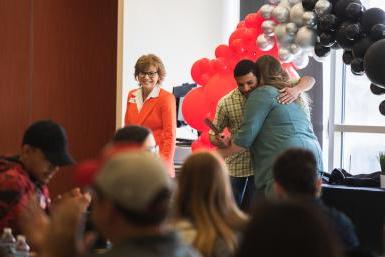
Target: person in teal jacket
(269, 128)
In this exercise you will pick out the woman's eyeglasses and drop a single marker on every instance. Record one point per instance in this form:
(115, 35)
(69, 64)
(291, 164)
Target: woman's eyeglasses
(151, 74)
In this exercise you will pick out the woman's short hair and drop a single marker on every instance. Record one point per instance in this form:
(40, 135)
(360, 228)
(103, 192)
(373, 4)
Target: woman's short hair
(145, 61)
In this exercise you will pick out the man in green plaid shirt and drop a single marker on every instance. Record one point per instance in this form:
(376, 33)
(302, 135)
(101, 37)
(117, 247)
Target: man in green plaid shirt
(229, 114)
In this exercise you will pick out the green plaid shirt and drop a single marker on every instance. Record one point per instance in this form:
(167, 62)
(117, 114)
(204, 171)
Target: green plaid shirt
(229, 114)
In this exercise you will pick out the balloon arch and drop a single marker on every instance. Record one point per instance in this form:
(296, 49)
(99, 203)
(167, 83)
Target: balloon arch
(291, 31)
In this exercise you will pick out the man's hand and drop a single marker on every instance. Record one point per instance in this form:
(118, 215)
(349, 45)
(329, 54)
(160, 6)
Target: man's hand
(288, 95)
(222, 140)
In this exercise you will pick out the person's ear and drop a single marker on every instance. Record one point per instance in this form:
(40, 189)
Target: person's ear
(26, 150)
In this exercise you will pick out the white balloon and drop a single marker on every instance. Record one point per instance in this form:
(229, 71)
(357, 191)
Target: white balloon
(281, 14)
(305, 37)
(309, 19)
(274, 2)
(268, 27)
(296, 14)
(264, 43)
(323, 7)
(291, 28)
(266, 10)
(284, 55)
(301, 61)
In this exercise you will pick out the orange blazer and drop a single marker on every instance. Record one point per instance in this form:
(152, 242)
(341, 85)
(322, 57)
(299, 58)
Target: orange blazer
(159, 115)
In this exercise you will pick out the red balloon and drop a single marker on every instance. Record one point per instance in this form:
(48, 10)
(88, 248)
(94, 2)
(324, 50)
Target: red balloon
(195, 108)
(198, 146)
(219, 65)
(238, 46)
(240, 33)
(251, 20)
(241, 24)
(201, 71)
(223, 51)
(218, 86)
(205, 138)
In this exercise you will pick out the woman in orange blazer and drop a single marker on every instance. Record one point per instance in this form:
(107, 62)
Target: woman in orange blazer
(153, 107)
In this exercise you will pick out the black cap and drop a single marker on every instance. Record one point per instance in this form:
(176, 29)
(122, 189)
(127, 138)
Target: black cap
(51, 139)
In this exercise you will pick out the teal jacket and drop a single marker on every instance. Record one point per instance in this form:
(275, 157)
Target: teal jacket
(269, 128)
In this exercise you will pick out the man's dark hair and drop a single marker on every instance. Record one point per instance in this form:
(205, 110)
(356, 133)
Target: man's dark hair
(296, 171)
(131, 134)
(246, 66)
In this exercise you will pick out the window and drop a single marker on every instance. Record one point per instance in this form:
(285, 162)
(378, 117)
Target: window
(357, 129)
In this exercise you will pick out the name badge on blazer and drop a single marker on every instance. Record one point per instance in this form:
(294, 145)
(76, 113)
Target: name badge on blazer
(132, 100)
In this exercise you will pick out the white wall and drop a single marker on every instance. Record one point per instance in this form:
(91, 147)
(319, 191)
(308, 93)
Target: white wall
(178, 31)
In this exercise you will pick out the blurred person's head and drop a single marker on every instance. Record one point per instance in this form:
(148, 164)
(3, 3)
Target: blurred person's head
(132, 195)
(205, 198)
(295, 174)
(137, 135)
(44, 150)
(290, 229)
(246, 74)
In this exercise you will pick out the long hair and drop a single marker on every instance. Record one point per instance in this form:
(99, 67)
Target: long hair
(272, 74)
(205, 198)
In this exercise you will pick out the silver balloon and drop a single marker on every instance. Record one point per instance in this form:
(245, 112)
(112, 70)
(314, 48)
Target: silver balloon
(265, 43)
(285, 3)
(294, 2)
(284, 55)
(282, 36)
(305, 37)
(296, 14)
(295, 49)
(266, 10)
(281, 14)
(274, 2)
(309, 19)
(301, 61)
(323, 7)
(291, 28)
(268, 28)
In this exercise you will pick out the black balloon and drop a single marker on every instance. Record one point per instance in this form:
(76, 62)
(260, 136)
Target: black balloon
(375, 63)
(352, 31)
(372, 17)
(327, 39)
(360, 48)
(321, 51)
(341, 38)
(377, 32)
(376, 89)
(382, 107)
(327, 22)
(340, 7)
(357, 66)
(354, 11)
(347, 57)
(308, 5)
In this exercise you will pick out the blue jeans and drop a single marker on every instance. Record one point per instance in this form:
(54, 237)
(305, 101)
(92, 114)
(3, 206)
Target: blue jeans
(243, 190)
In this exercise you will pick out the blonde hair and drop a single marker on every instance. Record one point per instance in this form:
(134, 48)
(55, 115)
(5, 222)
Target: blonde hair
(205, 198)
(272, 74)
(145, 61)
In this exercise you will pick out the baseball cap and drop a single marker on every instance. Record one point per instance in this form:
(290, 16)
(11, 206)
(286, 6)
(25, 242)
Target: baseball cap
(51, 139)
(133, 179)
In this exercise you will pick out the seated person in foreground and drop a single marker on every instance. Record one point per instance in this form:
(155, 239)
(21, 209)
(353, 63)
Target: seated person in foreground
(43, 151)
(295, 175)
(206, 213)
